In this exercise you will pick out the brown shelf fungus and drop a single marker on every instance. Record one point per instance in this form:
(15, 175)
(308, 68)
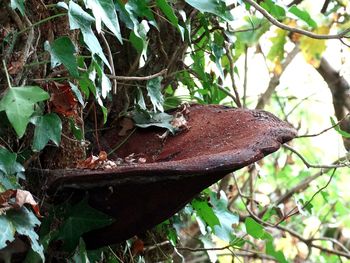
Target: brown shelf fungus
(174, 168)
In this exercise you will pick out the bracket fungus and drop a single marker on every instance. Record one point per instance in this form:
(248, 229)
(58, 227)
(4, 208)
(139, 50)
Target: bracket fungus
(217, 140)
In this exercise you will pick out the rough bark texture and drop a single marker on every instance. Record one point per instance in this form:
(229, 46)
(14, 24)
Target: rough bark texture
(340, 90)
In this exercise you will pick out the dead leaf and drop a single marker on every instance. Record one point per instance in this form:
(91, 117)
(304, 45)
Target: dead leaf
(137, 247)
(6, 196)
(25, 197)
(22, 197)
(62, 99)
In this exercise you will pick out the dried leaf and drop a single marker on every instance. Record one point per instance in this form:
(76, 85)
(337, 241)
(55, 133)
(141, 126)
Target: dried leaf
(137, 247)
(63, 100)
(6, 196)
(25, 197)
(22, 197)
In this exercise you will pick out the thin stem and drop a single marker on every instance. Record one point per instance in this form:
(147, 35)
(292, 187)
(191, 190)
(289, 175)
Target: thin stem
(7, 74)
(309, 165)
(41, 22)
(293, 29)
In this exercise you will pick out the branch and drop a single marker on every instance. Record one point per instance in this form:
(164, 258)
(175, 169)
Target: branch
(305, 183)
(275, 80)
(293, 29)
(309, 165)
(229, 56)
(323, 131)
(127, 78)
(307, 241)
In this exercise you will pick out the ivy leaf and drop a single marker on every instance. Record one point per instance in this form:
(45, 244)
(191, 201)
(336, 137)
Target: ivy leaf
(105, 83)
(62, 51)
(7, 231)
(303, 15)
(79, 19)
(216, 7)
(77, 93)
(169, 13)
(144, 119)
(81, 219)
(8, 163)
(48, 127)
(153, 89)
(104, 10)
(18, 102)
(226, 218)
(340, 131)
(25, 222)
(18, 4)
(205, 212)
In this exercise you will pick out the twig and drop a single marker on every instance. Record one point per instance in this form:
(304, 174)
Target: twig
(323, 131)
(245, 80)
(228, 93)
(293, 29)
(309, 165)
(131, 78)
(308, 242)
(111, 62)
(275, 80)
(305, 183)
(229, 56)
(295, 210)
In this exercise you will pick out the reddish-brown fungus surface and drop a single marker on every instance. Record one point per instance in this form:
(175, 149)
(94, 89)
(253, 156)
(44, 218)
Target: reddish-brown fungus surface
(217, 140)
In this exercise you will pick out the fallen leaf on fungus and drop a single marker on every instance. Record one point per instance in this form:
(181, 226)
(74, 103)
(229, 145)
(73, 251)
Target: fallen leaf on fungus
(15, 199)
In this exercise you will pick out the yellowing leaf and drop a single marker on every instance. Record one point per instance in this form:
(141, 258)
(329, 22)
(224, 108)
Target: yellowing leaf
(312, 49)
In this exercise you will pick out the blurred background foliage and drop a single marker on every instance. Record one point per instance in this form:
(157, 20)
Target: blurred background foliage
(140, 58)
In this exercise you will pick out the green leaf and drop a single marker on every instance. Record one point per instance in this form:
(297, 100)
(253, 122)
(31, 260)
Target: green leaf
(8, 164)
(81, 219)
(216, 7)
(144, 119)
(275, 10)
(303, 15)
(205, 212)
(105, 83)
(18, 4)
(154, 92)
(77, 132)
(77, 93)
(79, 19)
(255, 27)
(169, 13)
(270, 250)
(7, 231)
(48, 127)
(224, 231)
(277, 48)
(18, 102)
(25, 222)
(254, 228)
(104, 10)
(340, 131)
(62, 51)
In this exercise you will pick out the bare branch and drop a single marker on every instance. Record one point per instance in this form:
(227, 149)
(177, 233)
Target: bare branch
(275, 80)
(310, 34)
(126, 78)
(323, 131)
(309, 165)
